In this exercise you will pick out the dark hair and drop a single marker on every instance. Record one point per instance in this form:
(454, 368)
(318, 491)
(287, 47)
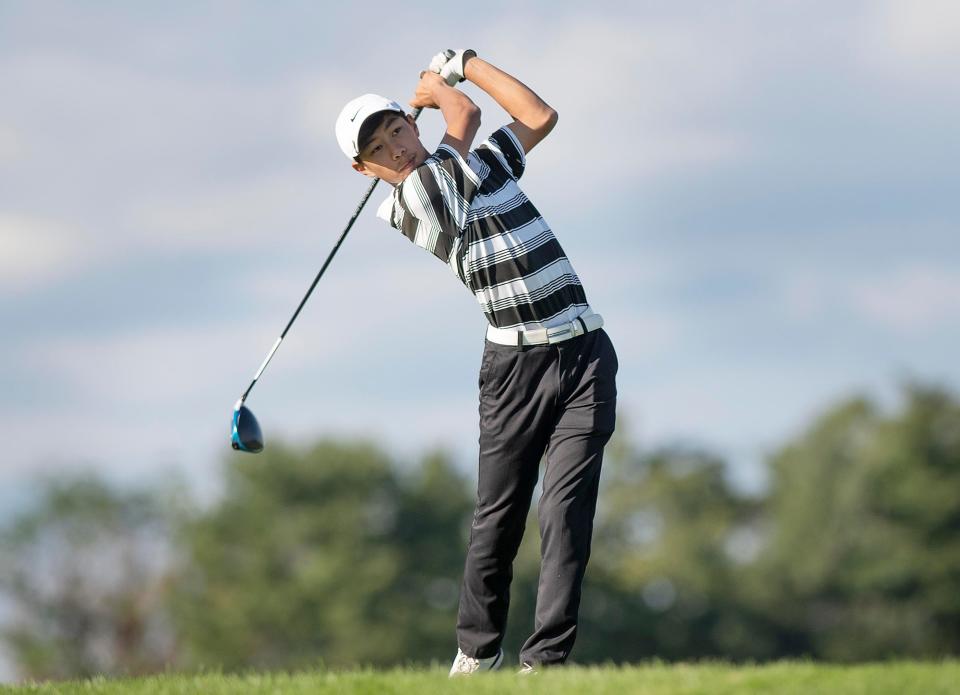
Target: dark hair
(370, 126)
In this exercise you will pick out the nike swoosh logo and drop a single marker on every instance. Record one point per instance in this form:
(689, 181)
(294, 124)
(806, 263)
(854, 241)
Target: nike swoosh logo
(355, 114)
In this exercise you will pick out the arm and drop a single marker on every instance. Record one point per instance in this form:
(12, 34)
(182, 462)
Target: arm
(533, 118)
(462, 116)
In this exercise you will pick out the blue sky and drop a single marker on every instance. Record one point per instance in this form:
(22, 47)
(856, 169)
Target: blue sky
(760, 198)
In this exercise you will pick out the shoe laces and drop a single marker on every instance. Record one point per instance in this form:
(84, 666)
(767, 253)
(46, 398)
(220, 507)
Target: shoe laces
(467, 664)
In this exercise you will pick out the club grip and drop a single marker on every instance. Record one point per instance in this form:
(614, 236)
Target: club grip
(416, 112)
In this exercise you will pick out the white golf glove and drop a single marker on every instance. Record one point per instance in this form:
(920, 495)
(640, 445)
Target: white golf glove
(449, 64)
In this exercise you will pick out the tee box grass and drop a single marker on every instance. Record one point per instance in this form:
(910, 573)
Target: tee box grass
(713, 678)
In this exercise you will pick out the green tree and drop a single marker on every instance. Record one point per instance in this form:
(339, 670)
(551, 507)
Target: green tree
(86, 571)
(328, 554)
(662, 578)
(666, 575)
(338, 554)
(863, 556)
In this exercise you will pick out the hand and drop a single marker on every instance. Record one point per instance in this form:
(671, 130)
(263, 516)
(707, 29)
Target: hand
(425, 95)
(450, 64)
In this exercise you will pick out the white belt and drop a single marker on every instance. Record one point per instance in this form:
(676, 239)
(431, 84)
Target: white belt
(546, 336)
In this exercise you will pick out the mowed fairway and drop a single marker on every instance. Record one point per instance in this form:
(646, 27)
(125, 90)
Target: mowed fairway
(895, 678)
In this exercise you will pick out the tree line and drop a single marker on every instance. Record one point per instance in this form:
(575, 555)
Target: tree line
(339, 555)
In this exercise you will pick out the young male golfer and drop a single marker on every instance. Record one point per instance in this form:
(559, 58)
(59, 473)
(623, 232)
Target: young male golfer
(547, 378)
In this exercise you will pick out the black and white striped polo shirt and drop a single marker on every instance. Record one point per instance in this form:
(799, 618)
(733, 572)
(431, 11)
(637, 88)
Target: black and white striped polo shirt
(473, 216)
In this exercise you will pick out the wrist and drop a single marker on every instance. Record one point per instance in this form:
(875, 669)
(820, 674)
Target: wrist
(445, 95)
(468, 57)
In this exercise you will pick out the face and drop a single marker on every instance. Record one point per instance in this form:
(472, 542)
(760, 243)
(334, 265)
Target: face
(394, 150)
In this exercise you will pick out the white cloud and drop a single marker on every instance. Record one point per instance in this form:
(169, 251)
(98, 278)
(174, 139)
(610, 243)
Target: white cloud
(621, 288)
(906, 299)
(181, 163)
(643, 334)
(180, 160)
(409, 424)
(923, 29)
(80, 438)
(245, 213)
(636, 101)
(600, 63)
(36, 252)
(140, 155)
(148, 399)
(804, 294)
(912, 298)
(915, 39)
(164, 366)
(321, 97)
(170, 365)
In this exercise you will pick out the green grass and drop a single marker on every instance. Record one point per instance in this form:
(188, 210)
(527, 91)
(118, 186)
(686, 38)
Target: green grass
(713, 678)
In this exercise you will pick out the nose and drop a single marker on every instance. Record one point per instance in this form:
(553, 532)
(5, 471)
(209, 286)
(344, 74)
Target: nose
(399, 151)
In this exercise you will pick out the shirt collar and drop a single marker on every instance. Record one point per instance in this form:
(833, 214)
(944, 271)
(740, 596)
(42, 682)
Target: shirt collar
(385, 211)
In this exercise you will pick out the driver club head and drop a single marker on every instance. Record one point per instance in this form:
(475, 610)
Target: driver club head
(247, 435)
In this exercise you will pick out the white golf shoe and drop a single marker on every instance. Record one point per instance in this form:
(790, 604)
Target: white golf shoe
(465, 665)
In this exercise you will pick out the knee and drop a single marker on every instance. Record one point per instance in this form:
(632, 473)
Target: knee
(555, 511)
(499, 528)
(571, 511)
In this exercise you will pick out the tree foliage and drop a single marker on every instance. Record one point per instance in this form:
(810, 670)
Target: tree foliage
(330, 554)
(338, 554)
(87, 572)
(863, 558)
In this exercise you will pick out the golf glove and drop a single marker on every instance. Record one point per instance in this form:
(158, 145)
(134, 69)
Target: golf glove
(449, 64)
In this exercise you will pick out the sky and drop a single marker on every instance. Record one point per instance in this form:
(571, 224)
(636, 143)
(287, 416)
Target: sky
(761, 199)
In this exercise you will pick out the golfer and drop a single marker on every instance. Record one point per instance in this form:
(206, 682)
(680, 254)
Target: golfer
(547, 377)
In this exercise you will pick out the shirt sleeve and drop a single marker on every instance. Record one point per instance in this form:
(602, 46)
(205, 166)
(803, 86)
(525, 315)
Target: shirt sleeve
(504, 149)
(431, 204)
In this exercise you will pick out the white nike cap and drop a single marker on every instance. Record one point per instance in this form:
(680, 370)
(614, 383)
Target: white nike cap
(353, 115)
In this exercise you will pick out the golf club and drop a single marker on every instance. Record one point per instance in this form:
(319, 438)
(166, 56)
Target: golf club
(247, 435)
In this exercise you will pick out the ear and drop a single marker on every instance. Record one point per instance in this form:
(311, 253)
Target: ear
(412, 123)
(358, 166)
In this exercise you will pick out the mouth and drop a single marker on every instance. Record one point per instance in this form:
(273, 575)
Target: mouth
(409, 164)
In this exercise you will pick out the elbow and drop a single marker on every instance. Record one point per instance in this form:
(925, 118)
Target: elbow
(471, 119)
(547, 121)
(552, 119)
(462, 127)
(472, 116)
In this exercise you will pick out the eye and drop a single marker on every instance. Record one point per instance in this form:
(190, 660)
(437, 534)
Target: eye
(375, 148)
(396, 130)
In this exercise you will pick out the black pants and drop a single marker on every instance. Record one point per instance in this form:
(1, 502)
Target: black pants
(559, 399)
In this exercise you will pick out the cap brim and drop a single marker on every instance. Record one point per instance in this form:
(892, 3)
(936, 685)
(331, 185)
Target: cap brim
(367, 118)
(355, 114)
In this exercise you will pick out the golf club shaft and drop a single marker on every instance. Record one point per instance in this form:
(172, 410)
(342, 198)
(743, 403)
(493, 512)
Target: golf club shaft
(363, 201)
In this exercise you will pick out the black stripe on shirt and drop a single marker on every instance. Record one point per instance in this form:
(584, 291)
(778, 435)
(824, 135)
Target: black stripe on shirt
(504, 139)
(499, 175)
(514, 268)
(514, 218)
(552, 304)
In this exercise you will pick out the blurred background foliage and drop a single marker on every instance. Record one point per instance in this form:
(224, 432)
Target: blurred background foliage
(340, 555)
